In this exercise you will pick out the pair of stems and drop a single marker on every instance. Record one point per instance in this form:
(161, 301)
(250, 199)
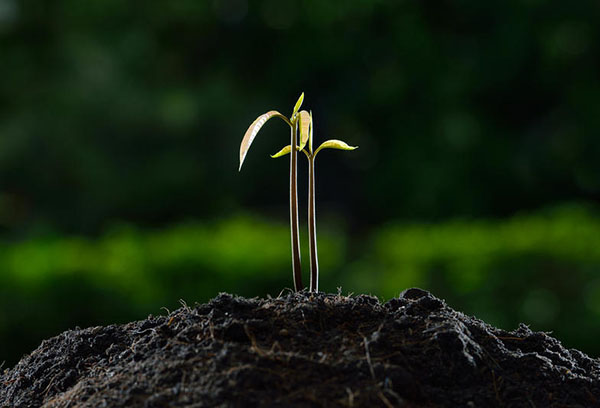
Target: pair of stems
(303, 120)
(312, 233)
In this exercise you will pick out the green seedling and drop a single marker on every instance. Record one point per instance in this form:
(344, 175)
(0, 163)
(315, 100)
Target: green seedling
(298, 120)
(311, 156)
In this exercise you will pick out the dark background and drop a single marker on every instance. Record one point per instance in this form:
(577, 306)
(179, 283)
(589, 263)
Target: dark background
(477, 176)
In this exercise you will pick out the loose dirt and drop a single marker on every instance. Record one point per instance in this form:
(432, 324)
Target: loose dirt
(304, 350)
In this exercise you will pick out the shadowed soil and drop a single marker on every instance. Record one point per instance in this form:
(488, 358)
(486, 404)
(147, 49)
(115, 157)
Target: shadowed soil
(304, 350)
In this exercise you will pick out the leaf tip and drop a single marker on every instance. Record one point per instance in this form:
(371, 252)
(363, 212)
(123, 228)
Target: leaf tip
(282, 152)
(298, 104)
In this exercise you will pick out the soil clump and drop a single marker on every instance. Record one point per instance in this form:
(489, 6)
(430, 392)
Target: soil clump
(304, 350)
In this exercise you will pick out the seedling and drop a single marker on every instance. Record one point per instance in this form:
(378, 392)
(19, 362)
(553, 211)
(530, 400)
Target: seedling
(312, 223)
(299, 119)
(302, 121)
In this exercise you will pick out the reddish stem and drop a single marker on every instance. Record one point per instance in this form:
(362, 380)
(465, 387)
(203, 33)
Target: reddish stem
(312, 228)
(296, 266)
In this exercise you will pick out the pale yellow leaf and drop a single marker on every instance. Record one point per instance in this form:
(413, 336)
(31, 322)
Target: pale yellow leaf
(304, 127)
(287, 150)
(298, 104)
(253, 131)
(282, 152)
(335, 144)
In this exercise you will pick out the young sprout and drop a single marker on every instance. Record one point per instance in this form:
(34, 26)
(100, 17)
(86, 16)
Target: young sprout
(299, 119)
(311, 155)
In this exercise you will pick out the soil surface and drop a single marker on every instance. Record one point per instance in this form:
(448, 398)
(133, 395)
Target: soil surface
(304, 350)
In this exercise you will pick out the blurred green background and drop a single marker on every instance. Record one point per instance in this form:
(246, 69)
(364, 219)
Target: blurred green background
(477, 177)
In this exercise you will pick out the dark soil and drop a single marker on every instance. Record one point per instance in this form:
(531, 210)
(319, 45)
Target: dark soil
(304, 350)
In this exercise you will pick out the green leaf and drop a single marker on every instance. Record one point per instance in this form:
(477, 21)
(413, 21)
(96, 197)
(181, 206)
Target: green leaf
(335, 144)
(282, 152)
(287, 150)
(304, 128)
(298, 104)
(253, 131)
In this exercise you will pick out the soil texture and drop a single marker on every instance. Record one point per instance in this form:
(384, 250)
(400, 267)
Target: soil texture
(304, 350)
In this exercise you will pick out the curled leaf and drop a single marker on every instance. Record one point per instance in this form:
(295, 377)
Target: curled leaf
(304, 123)
(297, 105)
(253, 131)
(282, 152)
(335, 144)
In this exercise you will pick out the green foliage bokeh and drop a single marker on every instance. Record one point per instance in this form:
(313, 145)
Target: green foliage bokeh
(542, 269)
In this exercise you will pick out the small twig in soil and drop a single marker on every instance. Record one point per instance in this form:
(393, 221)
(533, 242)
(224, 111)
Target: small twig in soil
(237, 368)
(283, 290)
(384, 399)
(50, 384)
(253, 341)
(368, 354)
(303, 319)
(184, 304)
(398, 398)
(211, 328)
(182, 388)
(496, 388)
(509, 338)
(350, 397)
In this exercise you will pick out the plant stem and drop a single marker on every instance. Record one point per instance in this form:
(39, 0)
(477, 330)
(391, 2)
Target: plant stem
(312, 227)
(296, 266)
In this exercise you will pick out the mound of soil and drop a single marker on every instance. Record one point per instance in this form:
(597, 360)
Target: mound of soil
(304, 350)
